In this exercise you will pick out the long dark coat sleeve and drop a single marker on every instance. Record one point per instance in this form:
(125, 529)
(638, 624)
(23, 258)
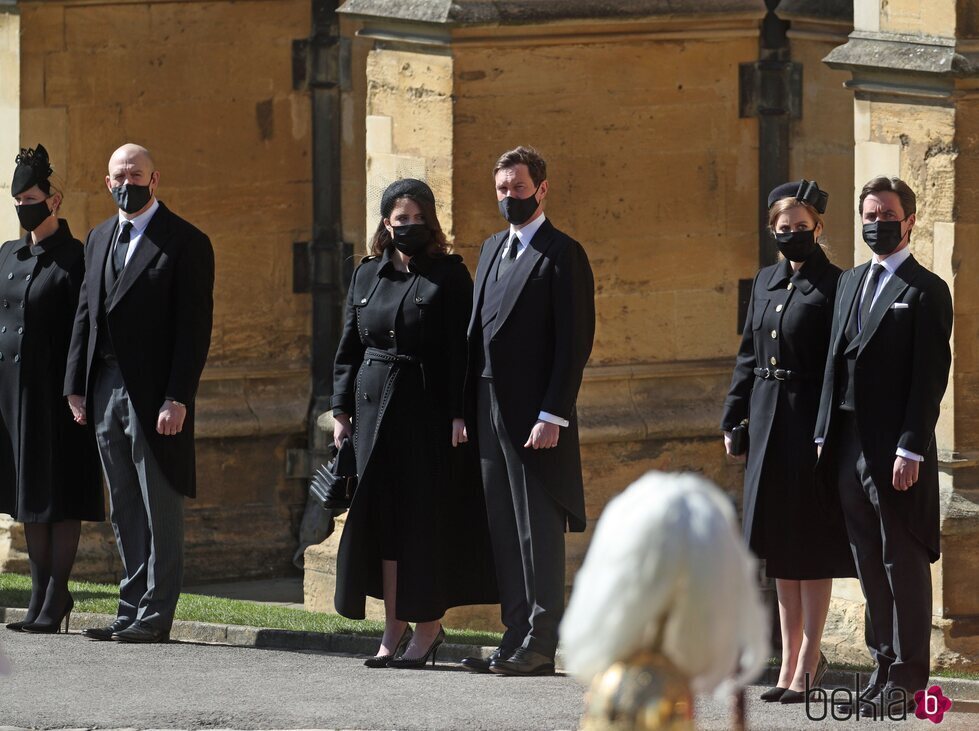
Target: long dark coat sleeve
(736, 405)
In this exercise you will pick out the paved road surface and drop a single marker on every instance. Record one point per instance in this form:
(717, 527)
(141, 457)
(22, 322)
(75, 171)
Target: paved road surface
(70, 682)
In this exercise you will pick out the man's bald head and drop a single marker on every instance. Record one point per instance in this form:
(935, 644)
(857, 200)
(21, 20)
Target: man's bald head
(131, 153)
(132, 165)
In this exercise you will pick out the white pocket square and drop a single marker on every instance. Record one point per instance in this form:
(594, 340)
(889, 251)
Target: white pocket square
(900, 306)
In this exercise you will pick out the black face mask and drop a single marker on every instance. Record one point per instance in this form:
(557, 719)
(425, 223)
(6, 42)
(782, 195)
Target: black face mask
(796, 245)
(412, 238)
(131, 198)
(519, 210)
(883, 236)
(32, 215)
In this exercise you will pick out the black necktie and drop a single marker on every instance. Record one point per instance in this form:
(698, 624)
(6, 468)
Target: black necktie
(510, 255)
(868, 294)
(122, 247)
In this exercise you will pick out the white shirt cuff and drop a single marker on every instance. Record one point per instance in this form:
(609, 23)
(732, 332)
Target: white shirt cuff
(819, 440)
(552, 419)
(909, 455)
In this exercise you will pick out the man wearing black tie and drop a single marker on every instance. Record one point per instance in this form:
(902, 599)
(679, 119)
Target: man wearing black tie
(530, 336)
(886, 373)
(140, 340)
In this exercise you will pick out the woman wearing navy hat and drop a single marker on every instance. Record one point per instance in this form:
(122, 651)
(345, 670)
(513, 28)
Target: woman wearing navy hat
(776, 387)
(49, 471)
(416, 533)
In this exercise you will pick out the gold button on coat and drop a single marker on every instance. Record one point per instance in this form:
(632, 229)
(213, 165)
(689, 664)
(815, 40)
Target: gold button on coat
(772, 360)
(778, 308)
(774, 334)
(790, 285)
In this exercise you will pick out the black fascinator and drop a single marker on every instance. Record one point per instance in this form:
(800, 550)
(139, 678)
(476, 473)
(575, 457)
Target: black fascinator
(33, 168)
(804, 191)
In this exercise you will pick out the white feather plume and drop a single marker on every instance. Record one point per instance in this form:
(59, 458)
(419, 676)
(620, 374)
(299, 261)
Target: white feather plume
(669, 543)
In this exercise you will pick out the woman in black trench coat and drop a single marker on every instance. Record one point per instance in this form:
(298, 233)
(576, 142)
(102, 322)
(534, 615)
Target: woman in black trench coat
(49, 470)
(416, 534)
(776, 386)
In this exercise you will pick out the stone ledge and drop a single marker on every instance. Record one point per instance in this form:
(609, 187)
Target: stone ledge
(937, 59)
(511, 12)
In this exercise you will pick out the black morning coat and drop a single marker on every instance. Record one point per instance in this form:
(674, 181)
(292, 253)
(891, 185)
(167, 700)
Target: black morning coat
(445, 559)
(787, 327)
(542, 338)
(159, 317)
(49, 465)
(901, 372)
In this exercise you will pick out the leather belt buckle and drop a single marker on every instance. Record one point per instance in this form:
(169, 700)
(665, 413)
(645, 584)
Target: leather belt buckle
(780, 374)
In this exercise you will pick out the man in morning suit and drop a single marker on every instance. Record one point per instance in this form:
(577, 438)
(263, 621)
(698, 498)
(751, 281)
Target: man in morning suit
(140, 340)
(885, 376)
(530, 336)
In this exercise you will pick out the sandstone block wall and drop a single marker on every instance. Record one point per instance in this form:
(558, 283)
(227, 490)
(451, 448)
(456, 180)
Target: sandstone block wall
(207, 86)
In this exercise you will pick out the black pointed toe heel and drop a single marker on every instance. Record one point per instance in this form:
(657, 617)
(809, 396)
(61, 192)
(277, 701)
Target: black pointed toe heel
(772, 695)
(381, 661)
(51, 628)
(420, 662)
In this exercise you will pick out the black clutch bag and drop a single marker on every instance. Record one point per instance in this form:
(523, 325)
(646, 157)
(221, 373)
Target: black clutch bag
(334, 483)
(739, 439)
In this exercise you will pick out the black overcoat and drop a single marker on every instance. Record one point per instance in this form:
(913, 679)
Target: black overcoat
(902, 369)
(542, 338)
(446, 560)
(49, 468)
(785, 518)
(159, 315)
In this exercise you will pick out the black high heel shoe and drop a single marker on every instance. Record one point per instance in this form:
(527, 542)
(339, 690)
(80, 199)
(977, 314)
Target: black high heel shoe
(381, 661)
(51, 628)
(420, 662)
(772, 695)
(795, 696)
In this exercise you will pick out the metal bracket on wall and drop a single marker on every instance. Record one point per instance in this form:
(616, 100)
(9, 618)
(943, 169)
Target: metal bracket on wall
(321, 63)
(770, 88)
(317, 266)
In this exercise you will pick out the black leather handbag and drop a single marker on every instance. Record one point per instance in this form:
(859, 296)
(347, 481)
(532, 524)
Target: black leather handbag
(334, 483)
(739, 439)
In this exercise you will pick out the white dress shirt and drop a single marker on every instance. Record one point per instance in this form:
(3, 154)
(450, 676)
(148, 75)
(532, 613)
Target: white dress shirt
(524, 236)
(139, 223)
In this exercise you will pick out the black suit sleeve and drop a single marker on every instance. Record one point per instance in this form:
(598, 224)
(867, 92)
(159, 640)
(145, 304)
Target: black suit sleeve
(350, 354)
(194, 304)
(458, 308)
(573, 305)
(743, 380)
(929, 367)
(76, 376)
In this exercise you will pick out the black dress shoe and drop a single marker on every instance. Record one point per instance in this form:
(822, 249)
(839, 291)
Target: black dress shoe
(105, 633)
(891, 702)
(866, 699)
(481, 665)
(381, 661)
(524, 662)
(141, 632)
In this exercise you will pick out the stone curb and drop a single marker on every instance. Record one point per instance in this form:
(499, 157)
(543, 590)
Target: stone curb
(965, 691)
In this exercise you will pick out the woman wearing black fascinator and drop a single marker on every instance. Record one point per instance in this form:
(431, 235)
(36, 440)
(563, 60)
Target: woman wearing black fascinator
(774, 401)
(49, 470)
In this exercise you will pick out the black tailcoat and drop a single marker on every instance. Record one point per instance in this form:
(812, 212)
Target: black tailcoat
(902, 368)
(49, 466)
(159, 315)
(785, 521)
(402, 433)
(541, 342)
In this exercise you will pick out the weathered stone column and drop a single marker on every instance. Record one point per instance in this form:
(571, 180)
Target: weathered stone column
(915, 80)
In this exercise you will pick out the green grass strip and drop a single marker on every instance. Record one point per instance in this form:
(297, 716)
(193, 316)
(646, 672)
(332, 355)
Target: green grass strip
(15, 591)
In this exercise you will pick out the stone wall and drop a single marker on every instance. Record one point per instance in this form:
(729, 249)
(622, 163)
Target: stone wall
(207, 86)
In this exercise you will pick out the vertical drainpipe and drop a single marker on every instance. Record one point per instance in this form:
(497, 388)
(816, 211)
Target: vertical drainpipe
(771, 90)
(320, 65)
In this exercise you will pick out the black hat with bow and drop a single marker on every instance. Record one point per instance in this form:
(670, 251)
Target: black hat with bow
(804, 191)
(33, 168)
